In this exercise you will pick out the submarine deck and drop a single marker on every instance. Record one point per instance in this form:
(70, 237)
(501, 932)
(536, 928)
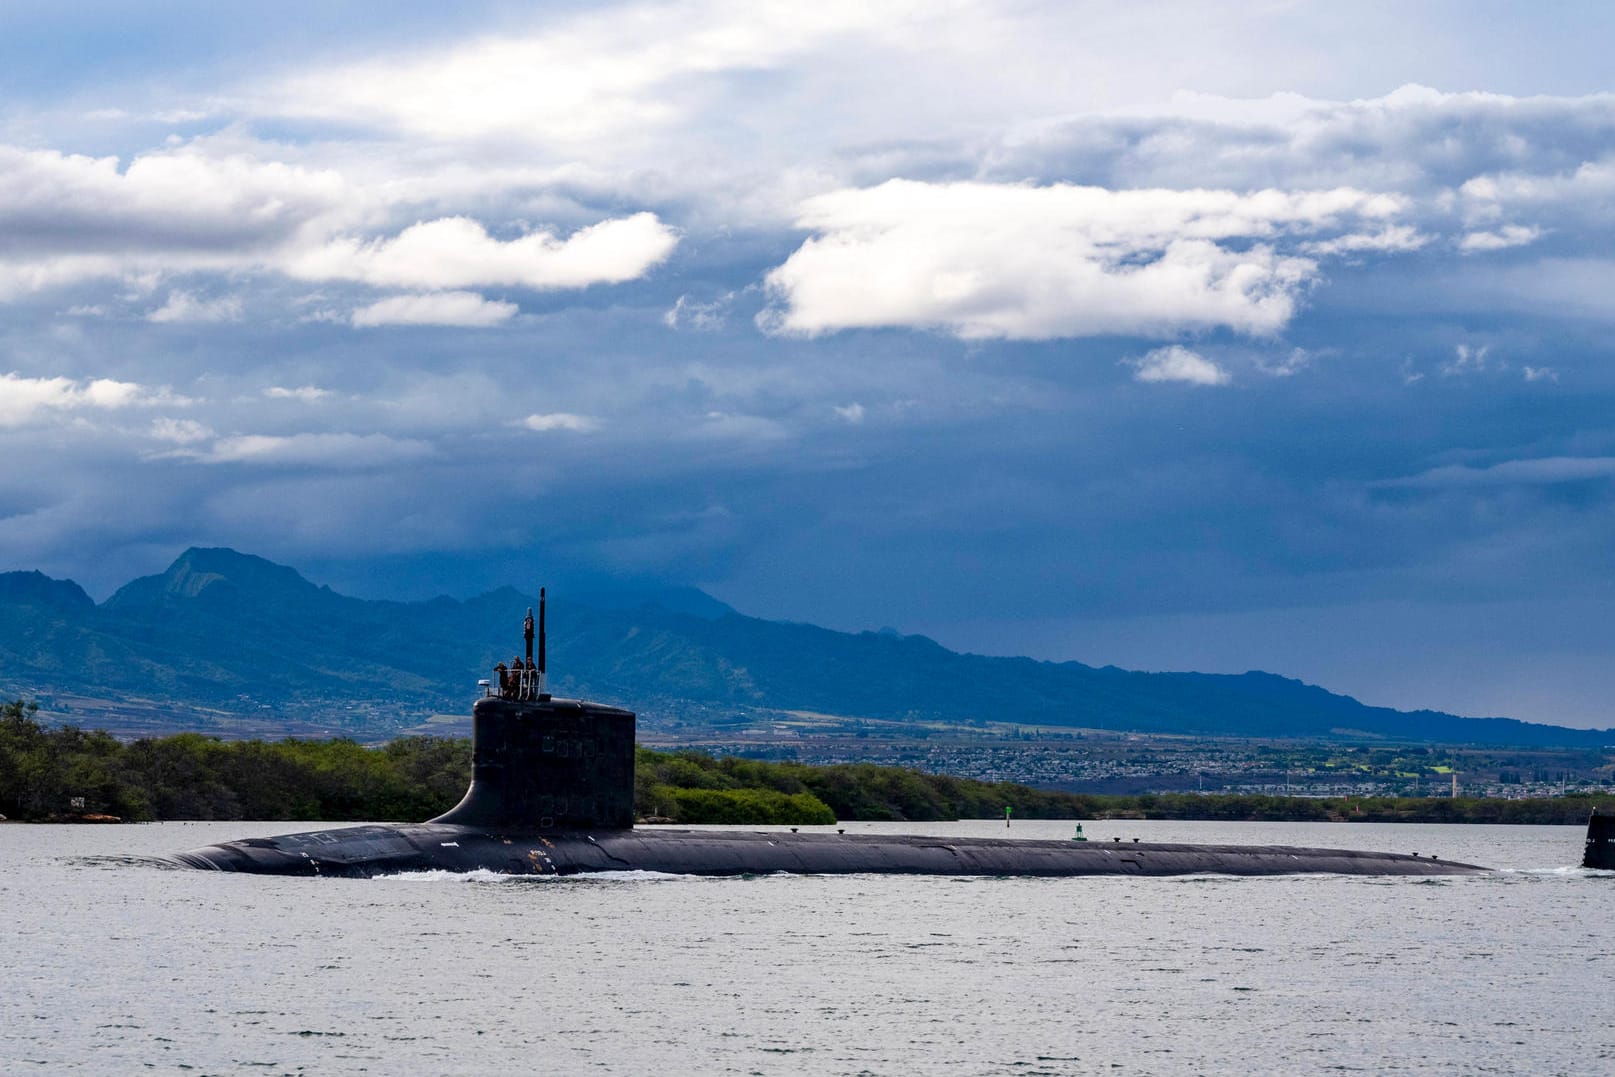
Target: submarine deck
(382, 850)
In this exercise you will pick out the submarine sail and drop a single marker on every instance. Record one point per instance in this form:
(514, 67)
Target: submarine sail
(1600, 842)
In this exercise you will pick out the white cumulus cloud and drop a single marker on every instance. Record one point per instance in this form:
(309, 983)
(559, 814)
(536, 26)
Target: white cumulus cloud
(467, 309)
(1013, 261)
(457, 252)
(200, 207)
(1390, 239)
(185, 307)
(24, 399)
(1512, 235)
(182, 199)
(1177, 363)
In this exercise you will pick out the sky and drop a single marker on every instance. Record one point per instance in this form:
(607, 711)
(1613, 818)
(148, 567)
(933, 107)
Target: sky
(1137, 333)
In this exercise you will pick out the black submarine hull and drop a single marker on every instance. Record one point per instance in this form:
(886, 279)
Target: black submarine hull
(552, 793)
(367, 851)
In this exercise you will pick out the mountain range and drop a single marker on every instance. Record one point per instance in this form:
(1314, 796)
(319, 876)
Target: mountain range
(233, 633)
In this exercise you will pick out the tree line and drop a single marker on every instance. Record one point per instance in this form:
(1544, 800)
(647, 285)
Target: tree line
(66, 772)
(45, 771)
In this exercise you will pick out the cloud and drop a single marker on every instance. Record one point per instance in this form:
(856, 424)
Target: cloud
(1478, 172)
(1541, 373)
(632, 69)
(464, 309)
(339, 451)
(1297, 360)
(1034, 263)
(686, 313)
(1466, 172)
(561, 420)
(305, 393)
(24, 399)
(456, 252)
(1177, 363)
(203, 208)
(471, 151)
(1574, 196)
(1513, 235)
(184, 200)
(1466, 359)
(23, 275)
(1539, 472)
(849, 413)
(1395, 238)
(185, 307)
(1491, 150)
(771, 94)
(180, 431)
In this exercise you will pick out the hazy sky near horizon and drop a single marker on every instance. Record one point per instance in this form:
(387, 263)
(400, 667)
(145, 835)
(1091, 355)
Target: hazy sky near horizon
(1135, 333)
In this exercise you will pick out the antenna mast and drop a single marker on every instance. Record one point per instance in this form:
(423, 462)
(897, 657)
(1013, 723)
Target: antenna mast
(543, 689)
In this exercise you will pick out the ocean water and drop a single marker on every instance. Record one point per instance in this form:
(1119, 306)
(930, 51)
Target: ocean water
(112, 965)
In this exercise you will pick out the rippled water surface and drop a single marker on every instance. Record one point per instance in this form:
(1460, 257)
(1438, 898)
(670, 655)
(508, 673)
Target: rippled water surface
(113, 965)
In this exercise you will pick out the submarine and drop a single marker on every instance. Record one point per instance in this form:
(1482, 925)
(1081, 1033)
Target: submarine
(552, 793)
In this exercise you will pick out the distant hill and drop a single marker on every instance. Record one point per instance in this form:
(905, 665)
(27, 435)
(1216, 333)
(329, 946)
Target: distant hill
(225, 630)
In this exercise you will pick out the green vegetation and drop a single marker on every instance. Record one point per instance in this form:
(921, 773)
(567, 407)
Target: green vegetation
(679, 786)
(1567, 810)
(739, 806)
(190, 776)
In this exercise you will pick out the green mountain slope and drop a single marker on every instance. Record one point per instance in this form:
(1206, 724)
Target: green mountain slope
(231, 631)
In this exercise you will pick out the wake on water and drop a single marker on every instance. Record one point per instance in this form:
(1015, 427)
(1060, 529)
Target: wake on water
(483, 875)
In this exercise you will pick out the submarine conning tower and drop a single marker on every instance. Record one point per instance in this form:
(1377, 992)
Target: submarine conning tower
(1600, 842)
(545, 764)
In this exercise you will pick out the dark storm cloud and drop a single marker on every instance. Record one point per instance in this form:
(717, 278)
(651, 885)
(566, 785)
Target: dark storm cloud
(485, 307)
